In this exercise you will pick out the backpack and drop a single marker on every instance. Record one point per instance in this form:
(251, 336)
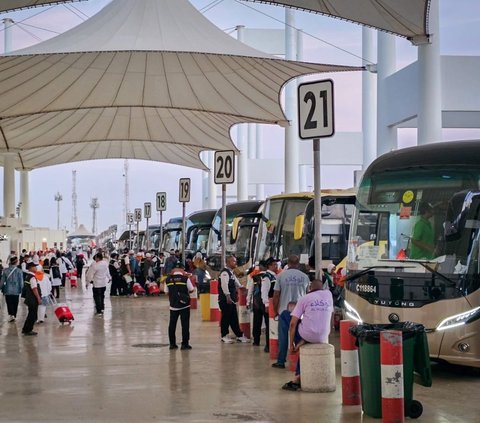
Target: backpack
(257, 302)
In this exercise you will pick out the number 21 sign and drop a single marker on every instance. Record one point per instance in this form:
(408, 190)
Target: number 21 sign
(315, 109)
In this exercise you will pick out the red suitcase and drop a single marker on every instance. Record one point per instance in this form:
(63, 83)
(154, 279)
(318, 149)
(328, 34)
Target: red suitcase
(64, 314)
(62, 311)
(138, 290)
(153, 289)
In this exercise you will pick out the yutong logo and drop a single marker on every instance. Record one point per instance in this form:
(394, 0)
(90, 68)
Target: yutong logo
(395, 303)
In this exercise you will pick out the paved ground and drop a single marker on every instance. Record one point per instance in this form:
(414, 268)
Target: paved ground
(93, 372)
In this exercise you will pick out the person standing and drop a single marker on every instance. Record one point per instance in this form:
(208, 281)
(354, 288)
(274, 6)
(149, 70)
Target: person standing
(32, 299)
(99, 275)
(291, 285)
(114, 269)
(227, 299)
(11, 286)
(261, 296)
(55, 277)
(46, 289)
(423, 237)
(178, 287)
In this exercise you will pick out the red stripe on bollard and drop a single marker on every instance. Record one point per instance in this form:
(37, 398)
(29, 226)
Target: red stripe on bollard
(391, 362)
(292, 361)
(273, 331)
(351, 393)
(243, 314)
(214, 310)
(193, 295)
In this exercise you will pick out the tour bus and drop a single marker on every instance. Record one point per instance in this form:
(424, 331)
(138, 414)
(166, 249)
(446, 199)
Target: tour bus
(172, 232)
(428, 197)
(288, 226)
(198, 230)
(232, 246)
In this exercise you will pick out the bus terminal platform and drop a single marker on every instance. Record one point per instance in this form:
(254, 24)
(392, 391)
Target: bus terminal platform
(118, 368)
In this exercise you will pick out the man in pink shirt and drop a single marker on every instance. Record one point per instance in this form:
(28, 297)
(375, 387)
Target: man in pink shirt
(311, 323)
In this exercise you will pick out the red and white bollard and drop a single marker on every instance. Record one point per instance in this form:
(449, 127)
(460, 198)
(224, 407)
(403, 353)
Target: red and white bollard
(351, 393)
(293, 360)
(193, 295)
(214, 310)
(391, 363)
(273, 331)
(243, 313)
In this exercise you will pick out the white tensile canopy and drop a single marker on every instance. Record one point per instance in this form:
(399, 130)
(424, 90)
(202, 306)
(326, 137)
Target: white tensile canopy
(143, 79)
(407, 18)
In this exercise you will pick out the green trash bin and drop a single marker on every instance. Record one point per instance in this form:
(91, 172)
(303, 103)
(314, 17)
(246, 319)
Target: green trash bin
(416, 365)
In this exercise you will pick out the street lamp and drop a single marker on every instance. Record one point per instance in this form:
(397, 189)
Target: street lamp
(58, 198)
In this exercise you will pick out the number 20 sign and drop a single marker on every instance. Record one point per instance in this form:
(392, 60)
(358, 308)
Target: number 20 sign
(224, 167)
(315, 109)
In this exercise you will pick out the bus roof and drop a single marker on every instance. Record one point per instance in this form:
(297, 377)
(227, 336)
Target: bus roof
(436, 154)
(309, 195)
(202, 216)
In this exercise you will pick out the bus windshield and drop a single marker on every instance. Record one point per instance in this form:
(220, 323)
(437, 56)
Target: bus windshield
(276, 234)
(429, 215)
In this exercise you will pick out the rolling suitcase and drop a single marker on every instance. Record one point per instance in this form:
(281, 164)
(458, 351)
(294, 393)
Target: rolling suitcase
(62, 311)
(153, 289)
(138, 290)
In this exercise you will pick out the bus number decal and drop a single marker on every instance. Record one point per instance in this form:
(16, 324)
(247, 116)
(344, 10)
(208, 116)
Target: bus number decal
(368, 289)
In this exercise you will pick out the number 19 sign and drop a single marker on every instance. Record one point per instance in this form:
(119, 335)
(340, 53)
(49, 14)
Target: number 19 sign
(315, 109)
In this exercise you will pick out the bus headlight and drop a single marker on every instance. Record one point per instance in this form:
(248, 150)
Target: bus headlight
(459, 319)
(352, 313)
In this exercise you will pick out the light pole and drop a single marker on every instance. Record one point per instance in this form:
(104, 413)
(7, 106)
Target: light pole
(94, 204)
(58, 198)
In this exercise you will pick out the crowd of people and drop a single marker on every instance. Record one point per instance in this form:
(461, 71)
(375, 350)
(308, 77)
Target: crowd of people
(302, 304)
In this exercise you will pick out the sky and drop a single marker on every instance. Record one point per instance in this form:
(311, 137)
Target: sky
(104, 179)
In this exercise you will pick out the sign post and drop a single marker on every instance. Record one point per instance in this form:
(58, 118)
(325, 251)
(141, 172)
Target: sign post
(138, 219)
(161, 207)
(184, 197)
(224, 172)
(147, 211)
(130, 221)
(316, 120)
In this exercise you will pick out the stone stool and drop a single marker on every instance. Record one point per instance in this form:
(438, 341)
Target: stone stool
(317, 368)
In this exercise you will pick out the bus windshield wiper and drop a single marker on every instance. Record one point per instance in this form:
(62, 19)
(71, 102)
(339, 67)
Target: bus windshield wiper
(431, 270)
(368, 269)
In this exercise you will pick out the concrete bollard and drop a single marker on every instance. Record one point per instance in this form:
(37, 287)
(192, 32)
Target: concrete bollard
(194, 294)
(391, 370)
(351, 392)
(317, 368)
(273, 331)
(243, 313)
(205, 306)
(292, 361)
(214, 310)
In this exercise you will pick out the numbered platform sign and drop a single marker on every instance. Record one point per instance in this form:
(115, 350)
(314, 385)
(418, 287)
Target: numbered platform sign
(147, 210)
(161, 201)
(138, 215)
(224, 167)
(315, 109)
(130, 219)
(184, 190)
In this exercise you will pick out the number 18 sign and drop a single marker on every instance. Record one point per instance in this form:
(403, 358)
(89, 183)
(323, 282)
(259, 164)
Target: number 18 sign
(315, 109)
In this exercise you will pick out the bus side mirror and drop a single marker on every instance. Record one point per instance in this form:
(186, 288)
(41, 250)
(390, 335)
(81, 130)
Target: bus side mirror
(298, 228)
(235, 224)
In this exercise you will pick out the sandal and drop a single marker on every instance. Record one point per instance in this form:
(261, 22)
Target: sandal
(291, 386)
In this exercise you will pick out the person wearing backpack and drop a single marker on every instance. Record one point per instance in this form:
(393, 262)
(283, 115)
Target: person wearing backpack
(263, 283)
(11, 285)
(32, 299)
(55, 277)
